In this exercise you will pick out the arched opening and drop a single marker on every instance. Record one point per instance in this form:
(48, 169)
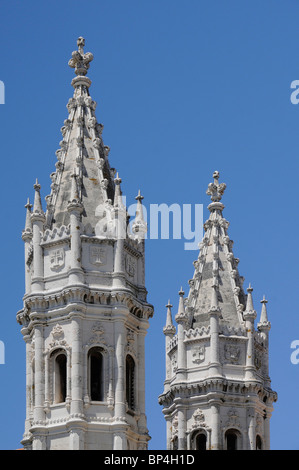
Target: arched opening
(231, 439)
(258, 443)
(96, 374)
(59, 377)
(130, 382)
(201, 442)
(175, 444)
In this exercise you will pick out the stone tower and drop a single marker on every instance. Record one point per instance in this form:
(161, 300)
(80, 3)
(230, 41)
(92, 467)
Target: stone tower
(217, 392)
(85, 312)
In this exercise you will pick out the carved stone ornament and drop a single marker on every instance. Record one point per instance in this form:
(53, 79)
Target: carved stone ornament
(130, 266)
(57, 337)
(57, 259)
(98, 255)
(175, 425)
(199, 420)
(198, 355)
(97, 336)
(233, 418)
(80, 60)
(231, 353)
(174, 363)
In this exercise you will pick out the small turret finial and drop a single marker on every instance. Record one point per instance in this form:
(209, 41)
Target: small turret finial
(80, 60)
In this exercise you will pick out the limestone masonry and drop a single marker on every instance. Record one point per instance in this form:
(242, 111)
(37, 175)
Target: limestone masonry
(85, 315)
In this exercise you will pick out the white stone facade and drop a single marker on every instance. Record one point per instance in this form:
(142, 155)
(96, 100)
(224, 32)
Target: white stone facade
(217, 391)
(85, 314)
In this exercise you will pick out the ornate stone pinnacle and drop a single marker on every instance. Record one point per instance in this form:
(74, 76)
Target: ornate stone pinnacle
(79, 60)
(216, 190)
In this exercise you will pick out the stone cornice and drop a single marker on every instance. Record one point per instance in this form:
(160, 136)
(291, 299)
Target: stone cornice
(217, 388)
(43, 306)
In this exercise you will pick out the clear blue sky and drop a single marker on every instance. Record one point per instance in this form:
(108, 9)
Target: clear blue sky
(183, 89)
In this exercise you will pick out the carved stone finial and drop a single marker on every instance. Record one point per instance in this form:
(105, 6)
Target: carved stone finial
(80, 60)
(139, 197)
(216, 190)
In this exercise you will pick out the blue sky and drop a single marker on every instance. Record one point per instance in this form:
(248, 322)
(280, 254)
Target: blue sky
(183, 89)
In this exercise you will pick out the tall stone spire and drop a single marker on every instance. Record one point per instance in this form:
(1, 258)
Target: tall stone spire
(217, 391)
(82, 151)
(85, 312)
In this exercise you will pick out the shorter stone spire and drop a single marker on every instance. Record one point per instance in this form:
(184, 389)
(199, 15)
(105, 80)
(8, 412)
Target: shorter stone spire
(181, 316)
(264, 323)
(169, 328)
(139, 226)
(27, 232)
(28, 224)
(37, 206)
(249, 311)
(118, 202)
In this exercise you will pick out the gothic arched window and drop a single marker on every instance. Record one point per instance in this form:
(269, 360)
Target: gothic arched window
(130, 382)
(59, 376)
(95, 358)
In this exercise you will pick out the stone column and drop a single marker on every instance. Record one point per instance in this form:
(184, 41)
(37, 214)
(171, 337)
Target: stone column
(37, 220)
(77, 393)
(215, 425)
(251, 429)
(29, 384)
(266, 442)
(142, 425)
(181, 319)
(182, 430)
(39, 414)
(249, 316)
(38, 262)
(214, 314)
(120, 439)
(118, 280)
(75, 209)
(47, 380)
